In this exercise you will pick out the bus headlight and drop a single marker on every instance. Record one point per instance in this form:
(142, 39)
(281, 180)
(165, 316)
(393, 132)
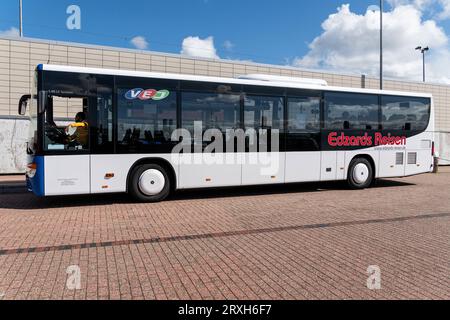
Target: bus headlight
(31, 170)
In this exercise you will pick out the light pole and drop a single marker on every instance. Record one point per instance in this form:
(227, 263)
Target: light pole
(381, 43)
(423, 51)
(20, 19)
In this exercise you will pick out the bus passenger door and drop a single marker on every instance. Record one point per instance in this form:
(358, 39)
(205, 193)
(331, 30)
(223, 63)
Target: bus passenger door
(66, 142)
(264, 123)
(108, 173)
(303, 156)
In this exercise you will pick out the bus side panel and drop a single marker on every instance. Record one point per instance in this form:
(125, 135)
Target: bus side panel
(210, 170)
(392, 164)
(303, 166)
(341, 169)
(109, 173)
(263, 168)
(328, 167)
(67, 175)
(418, 155)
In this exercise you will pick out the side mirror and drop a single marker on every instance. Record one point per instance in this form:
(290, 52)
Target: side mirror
(23, 103)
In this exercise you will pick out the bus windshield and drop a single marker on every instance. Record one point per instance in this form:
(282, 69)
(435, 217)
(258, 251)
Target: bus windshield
(75, 111)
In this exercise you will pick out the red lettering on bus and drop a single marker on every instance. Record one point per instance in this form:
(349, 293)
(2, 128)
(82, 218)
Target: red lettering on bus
(342, 140)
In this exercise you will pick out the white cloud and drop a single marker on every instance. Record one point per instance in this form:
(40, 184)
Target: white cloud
(201, 48)
(445, 13)
(228, 45)
(11, 32)
(440, 9)
(417, 3)
(350, 43)
(139, 42)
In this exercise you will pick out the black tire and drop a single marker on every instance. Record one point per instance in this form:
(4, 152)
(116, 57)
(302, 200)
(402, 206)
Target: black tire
(135, 185)
(360, 174)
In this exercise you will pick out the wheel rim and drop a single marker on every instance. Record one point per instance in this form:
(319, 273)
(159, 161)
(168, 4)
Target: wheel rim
(151, 182)
(361, 173)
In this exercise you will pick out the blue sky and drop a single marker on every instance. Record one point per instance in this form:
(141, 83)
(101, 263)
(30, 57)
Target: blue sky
(266, 31)
(263, 30)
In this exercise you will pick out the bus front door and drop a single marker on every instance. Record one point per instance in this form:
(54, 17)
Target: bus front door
(66, 143)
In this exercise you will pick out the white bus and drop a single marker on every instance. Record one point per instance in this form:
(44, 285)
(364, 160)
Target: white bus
(149, 134)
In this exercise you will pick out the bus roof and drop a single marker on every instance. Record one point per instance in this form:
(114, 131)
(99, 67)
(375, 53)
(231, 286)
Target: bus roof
(239, 81)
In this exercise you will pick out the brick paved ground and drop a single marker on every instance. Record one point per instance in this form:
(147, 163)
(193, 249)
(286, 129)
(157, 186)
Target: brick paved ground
(312, 241)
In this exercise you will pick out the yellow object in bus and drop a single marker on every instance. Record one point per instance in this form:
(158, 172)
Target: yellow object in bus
(81, 134)
(78, 125)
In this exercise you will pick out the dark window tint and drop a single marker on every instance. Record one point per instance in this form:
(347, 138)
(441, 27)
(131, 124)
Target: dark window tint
(262, 112)
(67, 114)
(65, 84)
(210, 111)
(219, 88)
(303, 114)
(267, 91)
(351, 111)
(214, 111)
(303, 131)
(146, 119)
(405, 113)
(102, 125)
(265, 115)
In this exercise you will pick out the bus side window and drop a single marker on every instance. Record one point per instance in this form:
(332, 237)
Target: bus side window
(146, 125)
(266, 113)
(351, 111)
(405, 113)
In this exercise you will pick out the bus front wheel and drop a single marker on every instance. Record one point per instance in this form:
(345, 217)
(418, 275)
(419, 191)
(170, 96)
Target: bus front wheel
(360, 174)
(149, 183)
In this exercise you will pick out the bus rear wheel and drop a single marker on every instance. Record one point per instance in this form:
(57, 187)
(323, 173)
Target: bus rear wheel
(149, 183)
(360, 174)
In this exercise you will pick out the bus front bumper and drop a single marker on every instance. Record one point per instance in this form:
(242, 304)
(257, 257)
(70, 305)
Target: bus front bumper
(35, 176)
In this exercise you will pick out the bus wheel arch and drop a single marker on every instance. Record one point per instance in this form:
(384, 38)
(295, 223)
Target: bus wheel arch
(164, 164)
(364, 165)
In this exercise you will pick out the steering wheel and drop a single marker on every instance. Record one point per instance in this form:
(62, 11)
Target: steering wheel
(56, 134)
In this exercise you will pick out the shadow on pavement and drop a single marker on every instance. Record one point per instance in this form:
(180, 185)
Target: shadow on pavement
(28, 201)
